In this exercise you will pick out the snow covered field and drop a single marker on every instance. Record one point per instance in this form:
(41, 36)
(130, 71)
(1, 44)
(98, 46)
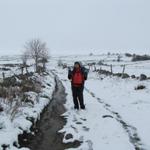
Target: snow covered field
(10, 65)
(116, 115)
(132, 68)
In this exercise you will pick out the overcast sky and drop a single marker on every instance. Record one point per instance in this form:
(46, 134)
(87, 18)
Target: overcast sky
(72, 26)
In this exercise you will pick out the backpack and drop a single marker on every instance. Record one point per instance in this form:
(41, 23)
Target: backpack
(78, 78)
(84, 72)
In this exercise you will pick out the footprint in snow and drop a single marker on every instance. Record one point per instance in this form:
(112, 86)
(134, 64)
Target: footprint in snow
(75, 129)
(79, 123)
(107, 116)
(90, 144)
(86, 128)
(83, 119)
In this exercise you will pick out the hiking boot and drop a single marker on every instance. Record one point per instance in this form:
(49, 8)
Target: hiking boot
(76, 107)
(83, 107)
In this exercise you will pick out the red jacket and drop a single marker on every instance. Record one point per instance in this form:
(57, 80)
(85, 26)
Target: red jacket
(77, 78)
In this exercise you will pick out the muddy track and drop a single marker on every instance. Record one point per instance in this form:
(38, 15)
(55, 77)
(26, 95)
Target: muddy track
(46, 130)
(129, 129)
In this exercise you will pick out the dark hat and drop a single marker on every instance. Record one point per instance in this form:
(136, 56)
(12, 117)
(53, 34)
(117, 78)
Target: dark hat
(77, 63)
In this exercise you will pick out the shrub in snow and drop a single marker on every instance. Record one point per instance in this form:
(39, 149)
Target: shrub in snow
(14, 110)
(1, 108)
(140, 57)
(125, 75)
(108, 53)
(91, 54)
(30, 85)
(143, 77)
(133, 76)
(100, 63)
(10, 81)
(27, 99)
(105, 72)
(140, 87)
(2, 91)
(24, 76)
(5, 69)
(9, 92)
(118, 74)
(10, 65)
(128, 55)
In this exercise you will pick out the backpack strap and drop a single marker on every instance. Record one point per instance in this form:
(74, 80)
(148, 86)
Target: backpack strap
(84, 72)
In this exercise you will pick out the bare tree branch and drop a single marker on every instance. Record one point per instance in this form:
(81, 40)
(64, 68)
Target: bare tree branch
(38, 51)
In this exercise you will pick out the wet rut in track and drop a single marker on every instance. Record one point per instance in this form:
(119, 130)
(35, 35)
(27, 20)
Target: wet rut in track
(47, 136)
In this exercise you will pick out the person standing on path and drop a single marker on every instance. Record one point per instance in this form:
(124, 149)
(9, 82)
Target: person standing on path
(77, 76)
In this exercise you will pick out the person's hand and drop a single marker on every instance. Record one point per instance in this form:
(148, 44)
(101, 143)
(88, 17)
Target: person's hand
(69, 68)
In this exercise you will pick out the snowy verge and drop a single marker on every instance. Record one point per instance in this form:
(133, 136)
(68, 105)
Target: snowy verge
(10, 129)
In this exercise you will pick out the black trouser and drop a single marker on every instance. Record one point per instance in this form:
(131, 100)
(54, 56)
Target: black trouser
(77, 93)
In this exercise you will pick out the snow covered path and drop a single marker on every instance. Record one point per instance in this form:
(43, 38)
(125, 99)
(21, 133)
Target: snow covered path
(98, 127)
(130, 130)
(132, 105)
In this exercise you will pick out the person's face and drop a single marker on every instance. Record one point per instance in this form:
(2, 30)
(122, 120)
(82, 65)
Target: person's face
(77, 66)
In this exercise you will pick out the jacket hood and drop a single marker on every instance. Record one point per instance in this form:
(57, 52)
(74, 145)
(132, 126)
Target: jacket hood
(77, 63)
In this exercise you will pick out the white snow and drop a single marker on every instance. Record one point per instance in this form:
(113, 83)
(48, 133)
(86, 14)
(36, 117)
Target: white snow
(10, 129)
(89, 126)
(133, 105)
(97, 127)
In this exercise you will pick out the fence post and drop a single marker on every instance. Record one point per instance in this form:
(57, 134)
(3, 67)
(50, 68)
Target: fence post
(89, 66)
(100, 68)
(123, 70)
(111, 69)
(94, 68)
(3, 74)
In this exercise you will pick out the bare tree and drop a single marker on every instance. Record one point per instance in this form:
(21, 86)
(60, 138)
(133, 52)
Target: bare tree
(25, 58)
(36, 48)
(44, 58)
(60, 63)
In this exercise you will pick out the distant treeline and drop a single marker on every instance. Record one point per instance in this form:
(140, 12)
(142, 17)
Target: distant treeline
(138, 57)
